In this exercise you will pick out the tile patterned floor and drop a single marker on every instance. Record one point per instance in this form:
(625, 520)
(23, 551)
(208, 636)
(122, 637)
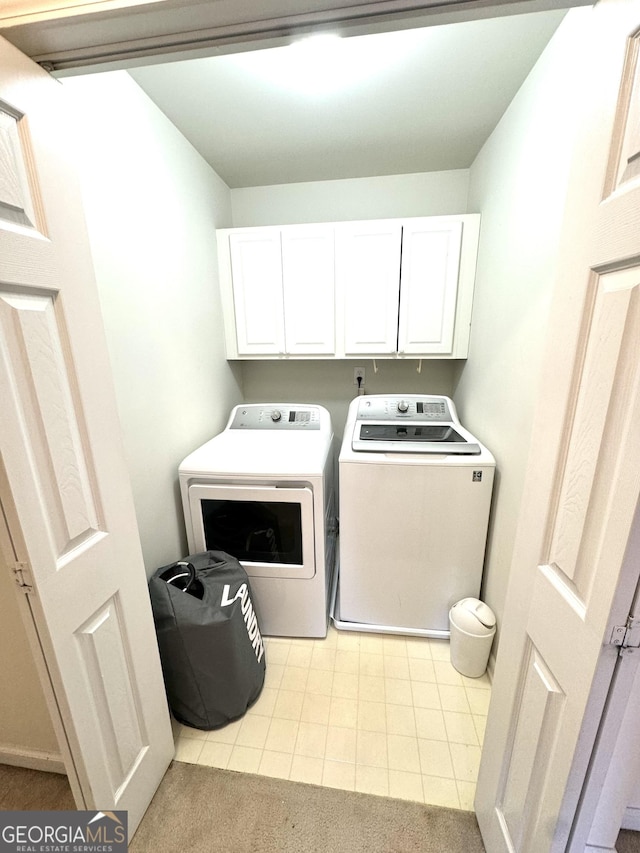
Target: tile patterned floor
(366, 712)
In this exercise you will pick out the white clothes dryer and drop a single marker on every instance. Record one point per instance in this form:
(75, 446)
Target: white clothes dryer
(263, 491)
(415, 493)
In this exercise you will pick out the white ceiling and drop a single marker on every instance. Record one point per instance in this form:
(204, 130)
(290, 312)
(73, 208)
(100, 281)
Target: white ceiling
(392, 103)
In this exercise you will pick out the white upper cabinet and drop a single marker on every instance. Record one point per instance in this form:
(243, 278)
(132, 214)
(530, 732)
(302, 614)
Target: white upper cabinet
(278, 290)
(429, 285)
(395, 288)
(368, 285)
(308, 286)
(256, 276)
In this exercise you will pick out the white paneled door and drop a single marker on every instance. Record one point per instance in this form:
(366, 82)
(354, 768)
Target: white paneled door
(570, 581)
(64, 487)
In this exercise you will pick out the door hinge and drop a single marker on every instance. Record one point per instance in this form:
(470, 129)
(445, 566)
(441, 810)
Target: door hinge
(22, 575)
(626, 637)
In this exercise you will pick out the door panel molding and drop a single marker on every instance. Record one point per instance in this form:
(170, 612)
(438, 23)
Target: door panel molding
(595, 380)
(538, 717)
(103, 647)
(624, 161)
(36, 353)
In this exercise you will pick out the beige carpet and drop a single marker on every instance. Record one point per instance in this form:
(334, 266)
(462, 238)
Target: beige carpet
(204, 809)
(201, 809)
(628, 841)
(33, 790)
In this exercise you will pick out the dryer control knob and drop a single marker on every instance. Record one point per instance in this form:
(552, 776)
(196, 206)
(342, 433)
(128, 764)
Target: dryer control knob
(276, 415)
(403, 406)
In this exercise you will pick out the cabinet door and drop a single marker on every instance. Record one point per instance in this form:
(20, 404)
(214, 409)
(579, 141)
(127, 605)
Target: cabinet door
(308, 284)
(368, 278)
(256, 265)
(428, 285)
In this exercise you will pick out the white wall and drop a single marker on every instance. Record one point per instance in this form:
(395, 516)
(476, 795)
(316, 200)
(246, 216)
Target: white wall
(152, 206)
(422, 194)
(27, 737)
(518, 182)
(330, 383)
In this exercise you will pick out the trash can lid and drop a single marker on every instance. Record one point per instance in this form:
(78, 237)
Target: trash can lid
(473, 616)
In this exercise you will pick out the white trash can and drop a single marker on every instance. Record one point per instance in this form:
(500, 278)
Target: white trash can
(473, 626)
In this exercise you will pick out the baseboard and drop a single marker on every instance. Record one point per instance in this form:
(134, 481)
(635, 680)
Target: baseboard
(32, 759)
(631, 819)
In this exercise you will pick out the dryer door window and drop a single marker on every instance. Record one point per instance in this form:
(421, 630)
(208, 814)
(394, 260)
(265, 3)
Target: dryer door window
(270, 530)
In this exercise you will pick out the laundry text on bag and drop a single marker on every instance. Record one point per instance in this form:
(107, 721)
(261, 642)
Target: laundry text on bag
(249, 614)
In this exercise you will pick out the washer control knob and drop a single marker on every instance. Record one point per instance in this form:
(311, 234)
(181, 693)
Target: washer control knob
(276, 415)
(403, 406)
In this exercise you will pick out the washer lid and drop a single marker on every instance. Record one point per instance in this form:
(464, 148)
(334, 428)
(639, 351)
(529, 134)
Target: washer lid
(413, 438)
(413, 423)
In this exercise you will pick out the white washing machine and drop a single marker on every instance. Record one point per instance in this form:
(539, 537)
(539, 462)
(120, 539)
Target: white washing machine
(263, 490)
(415, 494)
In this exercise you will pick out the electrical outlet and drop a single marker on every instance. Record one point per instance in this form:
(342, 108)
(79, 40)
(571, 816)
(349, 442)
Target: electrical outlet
(358, 373)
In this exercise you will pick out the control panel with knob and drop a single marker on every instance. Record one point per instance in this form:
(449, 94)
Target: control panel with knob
(277, 417)
(426, 408)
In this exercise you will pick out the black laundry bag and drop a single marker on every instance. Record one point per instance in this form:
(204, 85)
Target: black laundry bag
(211, 648)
